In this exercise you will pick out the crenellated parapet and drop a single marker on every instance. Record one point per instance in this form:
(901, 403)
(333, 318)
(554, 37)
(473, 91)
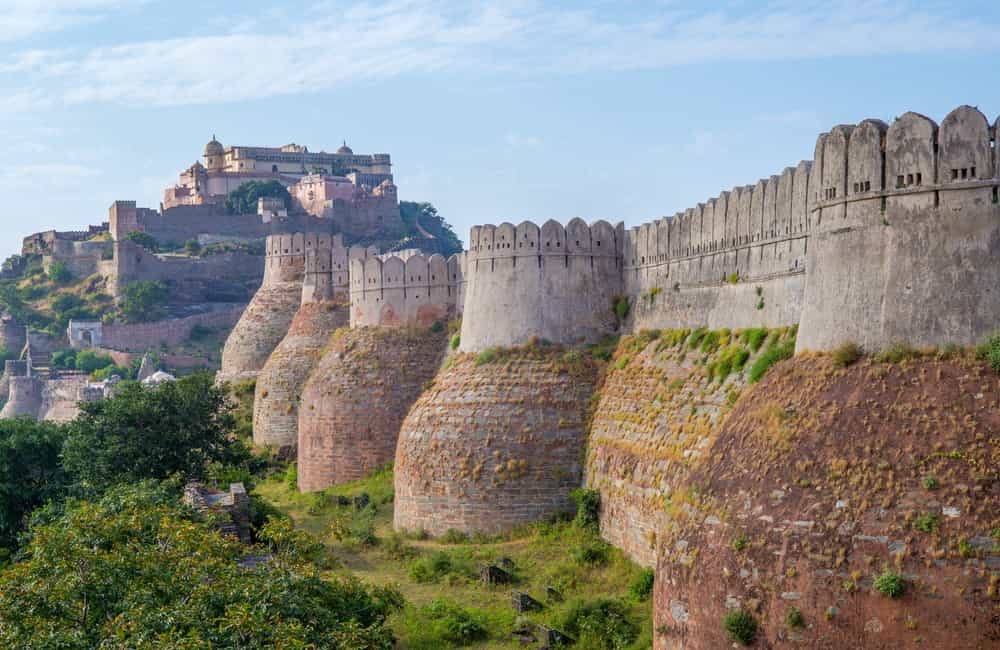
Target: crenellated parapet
(403, 289)
(327, 271)
(553, 282)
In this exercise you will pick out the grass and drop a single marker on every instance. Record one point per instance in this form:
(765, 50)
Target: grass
(447, 605)
(927, 523)
(897, 352)
(773, 354)
(846, 354)
(740, 626)
(890, 584)
(794, 618)
(989, 351)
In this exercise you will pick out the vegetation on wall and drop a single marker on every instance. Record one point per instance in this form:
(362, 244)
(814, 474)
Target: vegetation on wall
(145, 240)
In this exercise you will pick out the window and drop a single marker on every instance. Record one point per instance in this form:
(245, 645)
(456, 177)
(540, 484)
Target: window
(954, 174)
(920, 178)
(899, 181)
(909, 179)
(972, 172)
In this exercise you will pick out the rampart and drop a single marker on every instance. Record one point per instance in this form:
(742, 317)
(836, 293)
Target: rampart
(398, 290)
(891, 233)
(552, 282)
(139, 337)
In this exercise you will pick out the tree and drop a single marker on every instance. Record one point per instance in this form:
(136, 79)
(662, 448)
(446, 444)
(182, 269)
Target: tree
(89, 361)
(59, 273)
(145, 240)
(192, 247)
(30, 473)
(136, 570)
(143, 301)
(427, 216)
(243, 200)
(176, 428)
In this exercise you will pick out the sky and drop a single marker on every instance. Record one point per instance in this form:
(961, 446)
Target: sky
(497, 110)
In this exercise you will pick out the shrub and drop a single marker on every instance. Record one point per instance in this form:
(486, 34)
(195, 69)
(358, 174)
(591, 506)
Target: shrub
(740, 626)
(600, 623)
(64, 359)
(642, 586)
(431, 568)
(88, 361)
(927, 523)
(143, 301)
(489, 355)
(794, 618)
(453, 536)
(145, 240)
(59, 273)
(106, 372)
(754, 337)
(740, 542)
(64, 302)
(897, 352)
(989, 351)
(890, 584)
(588, 507)
(593, 552)
(620, 307)
(931, 483)
(456, 341)
(846, 354)
(771, 356)
(243, 200)
(734, 277)
(452, 623)
(292, 476)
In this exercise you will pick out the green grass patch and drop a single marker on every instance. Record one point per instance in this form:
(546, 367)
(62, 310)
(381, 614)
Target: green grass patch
(890, 584)
(773, 354)
(846, 354)
(754, 337)
(740, 626)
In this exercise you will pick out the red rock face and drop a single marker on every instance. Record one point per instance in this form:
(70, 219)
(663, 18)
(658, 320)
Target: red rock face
(820, 481)
(280, 382)
(356, 398)
(492, 446)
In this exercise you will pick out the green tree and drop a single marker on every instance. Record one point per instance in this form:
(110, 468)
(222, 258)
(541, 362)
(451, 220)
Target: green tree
(136, 570)
(30, 473)
(177, 427)
(143, 301)
(59, 273)
(243, 200)
(426, 215)
(89, 361)
(143, 239)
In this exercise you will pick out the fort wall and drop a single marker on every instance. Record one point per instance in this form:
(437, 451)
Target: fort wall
(397, 290)
(553, 282)
(140, 337)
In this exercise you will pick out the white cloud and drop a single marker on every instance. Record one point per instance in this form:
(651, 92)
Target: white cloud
(24, 18)
(329, 44)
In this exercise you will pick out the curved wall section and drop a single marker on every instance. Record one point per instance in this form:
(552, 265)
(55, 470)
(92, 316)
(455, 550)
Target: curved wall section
(553, 282)
(397, 290)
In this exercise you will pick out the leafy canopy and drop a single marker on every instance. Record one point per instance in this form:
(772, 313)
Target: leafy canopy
(143, 301)
(140, 433)
(136, 570)
(143, 239)
(243, 200)
(426, 215)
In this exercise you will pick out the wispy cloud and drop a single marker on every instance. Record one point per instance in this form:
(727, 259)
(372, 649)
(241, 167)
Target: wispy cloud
(326, 45)
(24, 18)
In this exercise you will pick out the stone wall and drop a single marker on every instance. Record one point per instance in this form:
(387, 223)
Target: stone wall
(395, 292)
(356, 398)
(489, 447)
(552, 282)
(820, 480)
(139, 337)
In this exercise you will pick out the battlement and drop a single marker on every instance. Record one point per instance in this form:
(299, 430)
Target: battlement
(327, 270)
(600, 239)
(395, 290)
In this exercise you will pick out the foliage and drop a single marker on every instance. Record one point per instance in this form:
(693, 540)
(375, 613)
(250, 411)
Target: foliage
(604, 349)
(88, 361)
(200, 332)
(593, 552)
(177, 427)
(456, 341)
(931, 483)
(143, 301)
(588, 507)
(192, 247)
(135, 570)
(437, 565)
(732, 359)
(443, 623)
(754, 337)
(775, 352)
(600, 623)
(890, 584)
(427, 216)
(794, 618)
(927, 523)
(30, 473)
(897, 352)
(243, 200)
(489, 355)
(59, 273)
(846, 354)
(115, 370)
(642, 586)
(143, 239)
(620, 306)
(740, 542)
(989, 351)
(740, 626)
(64, 302)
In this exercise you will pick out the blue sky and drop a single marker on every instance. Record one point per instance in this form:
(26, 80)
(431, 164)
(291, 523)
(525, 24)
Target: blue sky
(492, 110)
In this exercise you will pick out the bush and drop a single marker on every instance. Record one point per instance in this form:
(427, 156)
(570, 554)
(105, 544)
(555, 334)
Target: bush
(754, 337)
(59, 273)
(642, 586)
(89, 361)
(897, 352)
(243, 200)
(292, 476)
(143, 301)
(489, 355)
(588, 507)
(64, 302)
(620, 307)
(145, 240)
(592, 551)
(600, 623)
(931, 483)
(740, 626)
(200, 332)
(794, 618)
(989, 351)
(846, 354)
(452, 623)
(773, 354)
(453, 536)
(64, 359)
(740, 542)
(927, 523)
(104, 373)
(456, 341)
(890, 584)
(432, 568)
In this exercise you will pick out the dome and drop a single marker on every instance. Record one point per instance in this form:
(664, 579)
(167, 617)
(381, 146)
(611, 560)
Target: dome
(213, 148)
(345, 150)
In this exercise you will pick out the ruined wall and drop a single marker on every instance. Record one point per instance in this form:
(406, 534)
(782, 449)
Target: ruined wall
(907, 234)
(356, 398)
(80, 257)
(279, 385)
(266, 319)
(823, 474)
(393, 290)
(552, 282)
(489, 447)
(139, 337)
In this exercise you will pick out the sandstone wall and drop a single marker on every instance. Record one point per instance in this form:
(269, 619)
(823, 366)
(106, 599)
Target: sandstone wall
(554, 283)
(139, 337)
(489, 447)
(397, 291)
(356, 398)
(823, 477)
